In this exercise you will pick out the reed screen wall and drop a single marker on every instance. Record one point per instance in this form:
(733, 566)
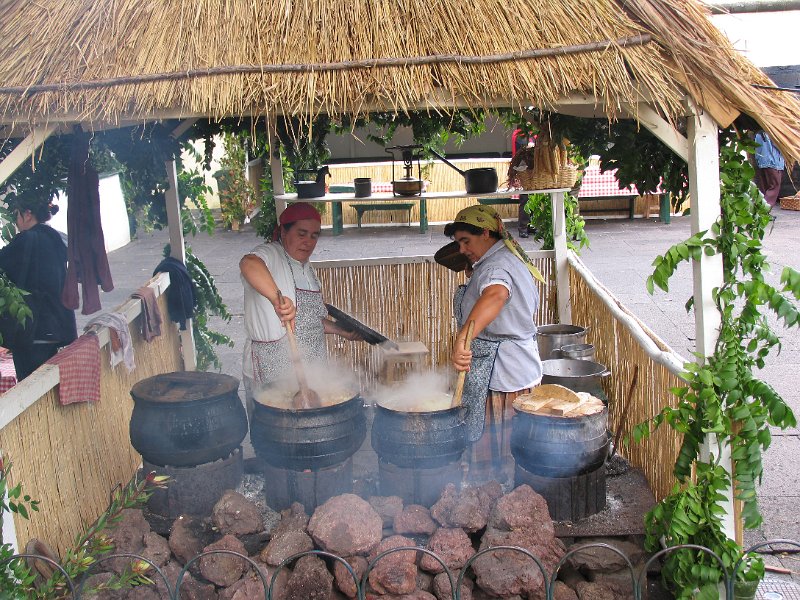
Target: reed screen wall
(72, 457)
(406, 299)
(617, 348)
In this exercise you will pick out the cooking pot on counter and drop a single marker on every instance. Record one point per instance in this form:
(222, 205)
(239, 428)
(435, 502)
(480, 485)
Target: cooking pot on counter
(552, 337)
(311, 189)
(407, 186)
(481, 180)
(577, 375)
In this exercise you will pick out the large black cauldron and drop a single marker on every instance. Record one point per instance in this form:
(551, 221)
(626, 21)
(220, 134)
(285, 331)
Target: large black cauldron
(422, 440)
(313, 438)
(187, 418)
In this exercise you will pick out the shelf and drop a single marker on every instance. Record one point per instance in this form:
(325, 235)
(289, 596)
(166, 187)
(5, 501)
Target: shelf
(389, 196)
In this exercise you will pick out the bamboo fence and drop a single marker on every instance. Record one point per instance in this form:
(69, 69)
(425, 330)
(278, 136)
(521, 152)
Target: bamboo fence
(617, 347)
(406, 299)
(72, 457)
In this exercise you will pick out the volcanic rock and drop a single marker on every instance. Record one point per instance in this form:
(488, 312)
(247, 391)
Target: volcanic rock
(156, 549)
(190, 588)
(388, 507)
(188, 538)
(293, 518)
(346, 525)
(561, 591)
(594, 591)
(453, 546)
(344, 580)
(282, 547)
(128, 538)
(443, 591)
(469, 509)
(604, 560)
(236, 515)
(522, 509)
(224, 569)
(395, 573)
(414, 519)
(310, 580)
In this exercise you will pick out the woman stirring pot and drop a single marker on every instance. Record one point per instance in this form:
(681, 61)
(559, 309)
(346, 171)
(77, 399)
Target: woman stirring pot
(501, 298)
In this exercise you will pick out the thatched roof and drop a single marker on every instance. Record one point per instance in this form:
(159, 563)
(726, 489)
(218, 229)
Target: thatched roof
(230, 57)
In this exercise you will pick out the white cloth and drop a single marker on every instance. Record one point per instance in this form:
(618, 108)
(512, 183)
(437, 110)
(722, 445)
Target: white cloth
(117, 322)
(261, 323)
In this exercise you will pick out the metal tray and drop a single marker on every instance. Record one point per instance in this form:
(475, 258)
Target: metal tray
(349, 323)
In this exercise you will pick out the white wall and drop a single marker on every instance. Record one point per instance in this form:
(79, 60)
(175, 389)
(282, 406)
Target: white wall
(766, 38)
(113, 214)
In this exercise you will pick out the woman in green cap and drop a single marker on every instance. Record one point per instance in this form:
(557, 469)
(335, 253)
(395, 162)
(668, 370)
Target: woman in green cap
(503, 361)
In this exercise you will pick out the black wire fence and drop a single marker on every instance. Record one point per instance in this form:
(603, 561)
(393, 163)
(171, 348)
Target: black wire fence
(638, 589)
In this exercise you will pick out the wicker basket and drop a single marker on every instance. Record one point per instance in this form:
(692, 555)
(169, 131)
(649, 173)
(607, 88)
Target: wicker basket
(790, 202)
(565, 178)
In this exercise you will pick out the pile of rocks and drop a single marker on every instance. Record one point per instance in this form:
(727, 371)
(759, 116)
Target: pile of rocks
(460, 524)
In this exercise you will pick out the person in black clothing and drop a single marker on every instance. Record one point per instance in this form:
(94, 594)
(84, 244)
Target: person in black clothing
(36, 261)
(519, 140)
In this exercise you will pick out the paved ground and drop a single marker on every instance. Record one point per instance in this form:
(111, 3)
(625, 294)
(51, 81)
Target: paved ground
(620, 255)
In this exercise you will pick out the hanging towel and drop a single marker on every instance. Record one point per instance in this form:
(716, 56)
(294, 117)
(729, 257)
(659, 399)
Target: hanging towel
(86, 252)
(151, 314)
(121, 346)
(181, 299)
(79, 370)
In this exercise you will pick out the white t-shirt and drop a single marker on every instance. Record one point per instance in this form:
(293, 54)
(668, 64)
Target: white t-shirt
(261, 323)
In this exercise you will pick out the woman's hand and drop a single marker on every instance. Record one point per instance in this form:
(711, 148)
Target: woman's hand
(461, 358)
(285, 309)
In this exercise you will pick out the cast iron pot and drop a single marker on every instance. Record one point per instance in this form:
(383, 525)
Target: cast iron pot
(187, 418)
(311, 189)
(482, 180)
(577, 375)
(313, 438)
(423, 440)
(560, 446)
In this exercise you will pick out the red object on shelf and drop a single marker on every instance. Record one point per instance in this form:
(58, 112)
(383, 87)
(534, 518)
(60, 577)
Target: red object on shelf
(8, 374)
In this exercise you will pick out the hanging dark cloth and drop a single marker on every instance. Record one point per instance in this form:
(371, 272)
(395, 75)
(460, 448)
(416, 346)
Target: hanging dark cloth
(86, 249)
(181, 299)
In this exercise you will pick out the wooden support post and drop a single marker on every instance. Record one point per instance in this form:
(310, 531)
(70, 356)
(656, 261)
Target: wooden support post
(704, 190)
(562, 266)
(275, 164)
(178, 251)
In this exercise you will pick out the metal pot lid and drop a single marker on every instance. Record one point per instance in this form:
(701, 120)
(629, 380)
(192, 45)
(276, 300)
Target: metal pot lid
(351, 324)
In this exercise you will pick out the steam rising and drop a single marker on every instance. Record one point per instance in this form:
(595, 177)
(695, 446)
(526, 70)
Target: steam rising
(333, 382)
(420, 392)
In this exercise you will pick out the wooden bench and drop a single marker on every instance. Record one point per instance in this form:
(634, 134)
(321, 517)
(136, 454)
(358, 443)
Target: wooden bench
(362, 208)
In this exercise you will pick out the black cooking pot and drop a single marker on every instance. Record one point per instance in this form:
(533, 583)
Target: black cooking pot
(187, 418)
(313, 438)
(423, 440)
(482, 180)
(311, 189)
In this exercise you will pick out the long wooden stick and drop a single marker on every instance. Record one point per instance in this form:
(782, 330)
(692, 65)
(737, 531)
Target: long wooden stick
(305, 394)
(463, 374)
(345, 65)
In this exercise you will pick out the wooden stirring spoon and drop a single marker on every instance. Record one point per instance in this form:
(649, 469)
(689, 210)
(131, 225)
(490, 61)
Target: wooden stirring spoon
(462, 374)
(305, 396)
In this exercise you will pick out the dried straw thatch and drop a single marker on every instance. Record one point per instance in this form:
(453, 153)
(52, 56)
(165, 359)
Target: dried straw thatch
(116, 60)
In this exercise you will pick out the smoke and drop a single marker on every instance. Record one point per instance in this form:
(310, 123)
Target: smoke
(419, 392)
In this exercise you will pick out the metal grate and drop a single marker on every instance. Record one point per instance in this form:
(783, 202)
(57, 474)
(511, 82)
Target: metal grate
(777, 589)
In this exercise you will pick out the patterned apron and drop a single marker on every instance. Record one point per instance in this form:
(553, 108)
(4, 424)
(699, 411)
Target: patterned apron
(272, 360)
(476, 383)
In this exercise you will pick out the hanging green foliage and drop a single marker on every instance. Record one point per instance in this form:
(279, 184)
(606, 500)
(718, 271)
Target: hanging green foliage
(722, 396)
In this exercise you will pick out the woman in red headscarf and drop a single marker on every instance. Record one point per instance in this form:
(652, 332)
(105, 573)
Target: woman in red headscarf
(281, 289)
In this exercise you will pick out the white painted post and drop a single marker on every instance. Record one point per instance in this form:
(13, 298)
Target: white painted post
(562, 266)
(704, 190)
(275, 164)
(24, 150)
(178, 250)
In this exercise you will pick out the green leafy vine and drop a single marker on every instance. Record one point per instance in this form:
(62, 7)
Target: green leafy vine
(722, 397)
(540, 208)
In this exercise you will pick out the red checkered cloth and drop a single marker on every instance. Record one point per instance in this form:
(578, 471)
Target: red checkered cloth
(79, 370)
(602, 185)
(386, 186)
(8, 374)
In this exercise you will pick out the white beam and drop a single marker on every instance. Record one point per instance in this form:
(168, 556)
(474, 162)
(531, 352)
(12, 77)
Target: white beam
(704, 191)
(25, 150)
(183, 127)
(178, 251)
(561, 264)
(659, 127)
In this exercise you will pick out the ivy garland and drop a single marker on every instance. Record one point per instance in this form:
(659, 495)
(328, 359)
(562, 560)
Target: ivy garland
(722, 396)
